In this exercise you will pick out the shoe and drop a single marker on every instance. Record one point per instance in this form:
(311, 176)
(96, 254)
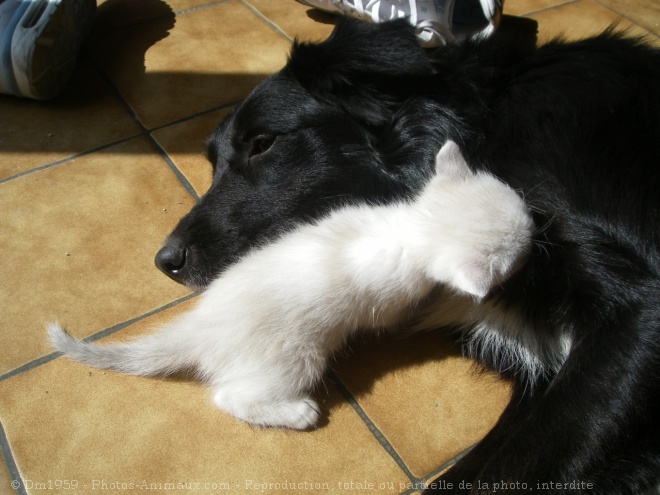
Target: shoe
(39, 44)
(437, 22)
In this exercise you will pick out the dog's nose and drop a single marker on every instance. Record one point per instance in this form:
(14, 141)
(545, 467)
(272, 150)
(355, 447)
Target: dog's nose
(171, 260)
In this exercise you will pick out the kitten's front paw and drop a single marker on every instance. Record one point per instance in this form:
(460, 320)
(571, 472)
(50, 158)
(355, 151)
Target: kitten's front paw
(299, 414)
(303, 414)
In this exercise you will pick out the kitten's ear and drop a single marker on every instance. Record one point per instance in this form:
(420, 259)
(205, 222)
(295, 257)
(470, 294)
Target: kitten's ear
(450, 163)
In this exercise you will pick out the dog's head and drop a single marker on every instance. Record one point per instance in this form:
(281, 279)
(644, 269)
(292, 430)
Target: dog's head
(336, 125)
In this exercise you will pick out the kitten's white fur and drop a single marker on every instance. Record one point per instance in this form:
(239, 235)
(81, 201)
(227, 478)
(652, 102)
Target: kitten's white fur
(262, 332)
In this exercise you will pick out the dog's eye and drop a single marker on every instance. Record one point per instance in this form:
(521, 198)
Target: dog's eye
(260, 145)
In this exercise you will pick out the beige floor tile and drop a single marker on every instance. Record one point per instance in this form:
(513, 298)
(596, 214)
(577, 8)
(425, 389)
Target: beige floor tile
(295, 19)
(113, 14)
(174, 68)
(79, 240)
(587, 18)
(430, 481)
(64, 420)
(110, 210)
(87, 115)
(185, 145)
(5, 478)
(522, 7)
(425, 398)
(646, 13)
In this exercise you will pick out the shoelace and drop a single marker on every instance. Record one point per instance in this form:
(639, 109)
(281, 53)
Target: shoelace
(429, 32)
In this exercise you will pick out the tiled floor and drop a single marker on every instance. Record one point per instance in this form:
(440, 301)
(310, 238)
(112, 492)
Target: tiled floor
(91, 183)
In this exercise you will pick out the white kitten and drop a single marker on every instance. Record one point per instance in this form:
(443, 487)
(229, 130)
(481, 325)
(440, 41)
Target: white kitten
(263, 331)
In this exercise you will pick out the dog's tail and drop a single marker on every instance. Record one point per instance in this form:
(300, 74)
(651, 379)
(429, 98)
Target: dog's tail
(157, 354)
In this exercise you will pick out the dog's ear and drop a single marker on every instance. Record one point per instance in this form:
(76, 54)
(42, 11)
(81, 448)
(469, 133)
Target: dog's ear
(365, 68)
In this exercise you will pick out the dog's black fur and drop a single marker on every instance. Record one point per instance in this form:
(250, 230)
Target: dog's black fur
(575, 127)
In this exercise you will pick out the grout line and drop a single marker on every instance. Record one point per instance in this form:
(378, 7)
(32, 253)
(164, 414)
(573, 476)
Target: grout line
(94, 337)
(415, 489)
(68, 158)
(30, 365)
(120, 326)
(199, 7)
(145, 132)
(16, 480)
(430, 477)
(127, 107)
(116, 91)
(170, 15)
(624, 16)
(102, 147)
(175, 170)
(372, 427)
(267, 21)
(195, 115)
(415, 482)
(534, 12)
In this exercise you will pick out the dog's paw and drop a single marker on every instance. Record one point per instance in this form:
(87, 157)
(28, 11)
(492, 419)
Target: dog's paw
(299, 414)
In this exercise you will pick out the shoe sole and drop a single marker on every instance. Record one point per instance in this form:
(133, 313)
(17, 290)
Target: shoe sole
(46, 43)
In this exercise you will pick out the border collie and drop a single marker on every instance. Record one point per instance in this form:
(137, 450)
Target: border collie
(573, 128)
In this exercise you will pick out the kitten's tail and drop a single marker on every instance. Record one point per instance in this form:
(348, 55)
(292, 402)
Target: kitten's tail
(152, 355)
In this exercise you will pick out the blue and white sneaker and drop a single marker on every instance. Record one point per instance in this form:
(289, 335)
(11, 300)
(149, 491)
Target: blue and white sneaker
(437, 22)
(39, 44)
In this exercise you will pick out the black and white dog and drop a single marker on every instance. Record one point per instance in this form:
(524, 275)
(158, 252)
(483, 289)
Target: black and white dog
(569, 308)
